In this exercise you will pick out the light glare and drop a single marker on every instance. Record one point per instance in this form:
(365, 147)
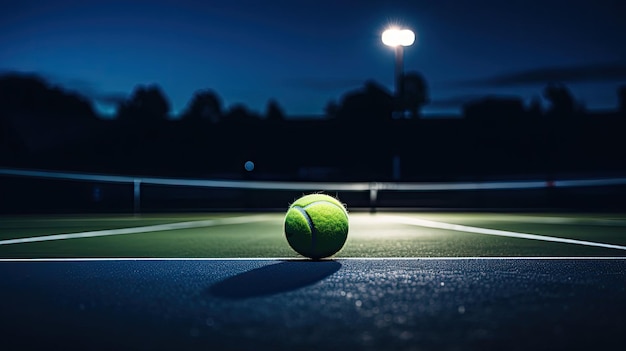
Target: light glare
(398, 37)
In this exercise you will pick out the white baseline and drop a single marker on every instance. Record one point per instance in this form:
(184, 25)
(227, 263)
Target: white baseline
(302, 259)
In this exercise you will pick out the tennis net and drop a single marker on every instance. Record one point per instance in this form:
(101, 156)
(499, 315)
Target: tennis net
(24, 191)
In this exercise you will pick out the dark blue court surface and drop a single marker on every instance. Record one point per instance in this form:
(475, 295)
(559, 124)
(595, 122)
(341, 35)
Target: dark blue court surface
(355, 304)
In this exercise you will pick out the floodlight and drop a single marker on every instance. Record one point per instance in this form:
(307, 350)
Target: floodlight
(398, 37)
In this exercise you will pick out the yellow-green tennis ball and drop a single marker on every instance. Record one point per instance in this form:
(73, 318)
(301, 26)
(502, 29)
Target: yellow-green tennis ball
(316, 226)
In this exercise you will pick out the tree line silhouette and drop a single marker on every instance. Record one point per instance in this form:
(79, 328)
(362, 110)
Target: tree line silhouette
(368, 134)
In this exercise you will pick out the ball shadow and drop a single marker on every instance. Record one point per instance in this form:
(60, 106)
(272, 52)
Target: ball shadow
(273, 279)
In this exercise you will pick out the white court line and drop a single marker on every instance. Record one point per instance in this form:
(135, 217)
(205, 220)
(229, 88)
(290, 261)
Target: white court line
(477, 230)
(566, 220)
(144, 229)
(301, 259)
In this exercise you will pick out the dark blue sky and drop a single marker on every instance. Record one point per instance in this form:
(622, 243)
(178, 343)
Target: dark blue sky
(305, 53)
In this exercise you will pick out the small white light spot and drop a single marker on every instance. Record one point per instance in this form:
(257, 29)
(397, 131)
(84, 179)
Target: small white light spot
(358, 303)
(461, 309)
(442, 284)
(249, 166)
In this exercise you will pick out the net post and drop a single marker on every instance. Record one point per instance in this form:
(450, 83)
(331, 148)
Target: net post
(373, 196)
(137, 196)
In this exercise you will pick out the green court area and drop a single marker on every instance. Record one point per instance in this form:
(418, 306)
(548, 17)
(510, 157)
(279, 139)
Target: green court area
(260, 235)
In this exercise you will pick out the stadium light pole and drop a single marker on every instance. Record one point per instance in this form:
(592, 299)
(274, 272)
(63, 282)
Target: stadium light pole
(398, 38)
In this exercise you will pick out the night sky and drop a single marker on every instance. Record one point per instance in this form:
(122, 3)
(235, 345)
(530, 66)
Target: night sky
(304, 53)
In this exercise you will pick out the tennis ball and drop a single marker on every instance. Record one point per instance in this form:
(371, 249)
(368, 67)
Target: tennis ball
(316, 226)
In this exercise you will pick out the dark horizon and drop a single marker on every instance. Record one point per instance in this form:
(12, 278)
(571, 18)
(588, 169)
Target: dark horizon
(540, 100)
(304, 55)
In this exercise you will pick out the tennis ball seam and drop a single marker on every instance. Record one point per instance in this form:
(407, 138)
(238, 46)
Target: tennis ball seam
(304, 213)
(325, 202)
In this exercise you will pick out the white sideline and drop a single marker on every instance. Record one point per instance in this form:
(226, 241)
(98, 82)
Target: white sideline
(301, 259)
(144, 229)
(477, 230)
(569, 220)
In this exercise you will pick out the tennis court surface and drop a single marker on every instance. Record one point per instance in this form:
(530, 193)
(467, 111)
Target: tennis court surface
(229, 281)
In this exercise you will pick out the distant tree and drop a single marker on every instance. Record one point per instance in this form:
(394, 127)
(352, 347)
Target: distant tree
(239, 113)
(535, 108)
(331, 109)
(274, 112)
(494, 109)
(10, 142)
(32, 95)
(562, 103)
(205, 106)
(147, 104)
(372, 103)
(414, 94)
(580, 107)
(622, 99)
